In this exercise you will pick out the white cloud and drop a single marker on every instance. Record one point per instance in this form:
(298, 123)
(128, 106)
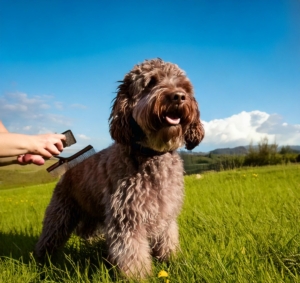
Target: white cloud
(18, 110)
(11, 107)
(27, 128)
(78, 106)
(45, 106)
(242, 128)
(84, 137)
(58, 105)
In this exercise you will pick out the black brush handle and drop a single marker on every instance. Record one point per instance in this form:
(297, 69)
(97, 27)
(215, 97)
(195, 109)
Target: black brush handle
(70, 139)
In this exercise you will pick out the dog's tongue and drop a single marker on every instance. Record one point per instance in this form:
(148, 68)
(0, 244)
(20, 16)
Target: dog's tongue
(173, 120)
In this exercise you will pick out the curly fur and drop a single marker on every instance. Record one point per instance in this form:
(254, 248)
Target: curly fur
(132, 190)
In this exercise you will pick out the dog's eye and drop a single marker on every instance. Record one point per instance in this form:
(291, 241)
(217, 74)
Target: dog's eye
(152, 82)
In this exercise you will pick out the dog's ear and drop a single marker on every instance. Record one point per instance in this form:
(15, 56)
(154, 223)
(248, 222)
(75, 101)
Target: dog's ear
(119, 120)
(195, 132)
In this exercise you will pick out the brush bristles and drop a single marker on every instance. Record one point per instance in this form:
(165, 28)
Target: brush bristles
(80, 158)
(58, 169)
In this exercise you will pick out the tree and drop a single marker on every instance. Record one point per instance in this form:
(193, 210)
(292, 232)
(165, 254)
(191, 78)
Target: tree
(285, 150)
(265, 154)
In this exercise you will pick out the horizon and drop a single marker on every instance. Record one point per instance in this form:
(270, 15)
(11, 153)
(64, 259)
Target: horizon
(239, 146)
(61, 61)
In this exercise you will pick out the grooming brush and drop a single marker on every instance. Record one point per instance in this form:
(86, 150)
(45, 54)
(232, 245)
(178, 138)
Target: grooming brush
(70, 139)
(66, 163)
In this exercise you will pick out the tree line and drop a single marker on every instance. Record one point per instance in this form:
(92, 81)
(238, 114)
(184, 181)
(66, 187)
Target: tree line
(260, 155)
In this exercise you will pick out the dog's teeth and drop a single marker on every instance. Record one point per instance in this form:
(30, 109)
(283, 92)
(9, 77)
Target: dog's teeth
(173, 121)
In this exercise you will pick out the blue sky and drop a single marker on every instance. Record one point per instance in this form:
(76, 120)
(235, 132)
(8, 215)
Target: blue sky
(60, 62)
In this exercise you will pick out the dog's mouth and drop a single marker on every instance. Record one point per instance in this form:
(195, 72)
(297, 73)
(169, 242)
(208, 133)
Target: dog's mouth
(172, 119)
(171, 116)
(174, 116)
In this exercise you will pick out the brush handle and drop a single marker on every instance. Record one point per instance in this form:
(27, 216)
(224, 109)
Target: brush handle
(70, 139)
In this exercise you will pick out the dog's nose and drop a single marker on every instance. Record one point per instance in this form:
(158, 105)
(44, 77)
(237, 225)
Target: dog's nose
(178, 97)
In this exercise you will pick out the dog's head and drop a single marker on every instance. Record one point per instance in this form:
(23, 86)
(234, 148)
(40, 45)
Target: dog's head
(156, 108)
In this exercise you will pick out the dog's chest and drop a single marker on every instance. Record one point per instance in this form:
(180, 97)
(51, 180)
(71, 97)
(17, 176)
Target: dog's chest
(153, 197)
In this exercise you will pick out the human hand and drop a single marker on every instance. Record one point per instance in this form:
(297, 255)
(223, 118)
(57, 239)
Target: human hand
(25, 159)
(46, 145)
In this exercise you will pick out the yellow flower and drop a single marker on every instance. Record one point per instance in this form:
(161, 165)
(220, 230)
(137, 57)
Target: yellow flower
(163, 273)
(243, 250)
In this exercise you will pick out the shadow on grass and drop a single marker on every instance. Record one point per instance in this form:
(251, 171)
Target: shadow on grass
(284, 261)
(16, 245)
(77, 258)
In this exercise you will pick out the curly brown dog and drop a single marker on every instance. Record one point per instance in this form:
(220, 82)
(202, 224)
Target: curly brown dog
(133, 189)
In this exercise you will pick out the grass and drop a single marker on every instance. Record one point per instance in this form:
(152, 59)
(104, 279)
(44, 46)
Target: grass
(235, 226)
(14, 176)
(243, 225)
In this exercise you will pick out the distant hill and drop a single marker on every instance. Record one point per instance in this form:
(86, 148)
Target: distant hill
(295, 148)
(239, 150)
(242, 150)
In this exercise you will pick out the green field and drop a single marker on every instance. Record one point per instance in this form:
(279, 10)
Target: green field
(236, 226)
(14, 176)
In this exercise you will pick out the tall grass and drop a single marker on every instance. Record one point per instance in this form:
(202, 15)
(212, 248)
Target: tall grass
(235, 226)
(243, 226)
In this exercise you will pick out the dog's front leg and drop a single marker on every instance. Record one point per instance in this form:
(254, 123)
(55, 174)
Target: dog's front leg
(166, 243)
(129, 250)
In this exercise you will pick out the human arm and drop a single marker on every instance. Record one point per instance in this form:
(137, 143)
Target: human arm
(26, 149)
(45, 145)
(2, 128)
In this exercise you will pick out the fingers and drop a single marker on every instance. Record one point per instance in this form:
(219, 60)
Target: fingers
(55, 145)
(37, 160)
(25, 159)
(47, 145)
(21, 159)
(59, 145)
(40, 147)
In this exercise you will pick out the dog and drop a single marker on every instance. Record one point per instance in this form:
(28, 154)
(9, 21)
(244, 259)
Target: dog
(131, 191)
